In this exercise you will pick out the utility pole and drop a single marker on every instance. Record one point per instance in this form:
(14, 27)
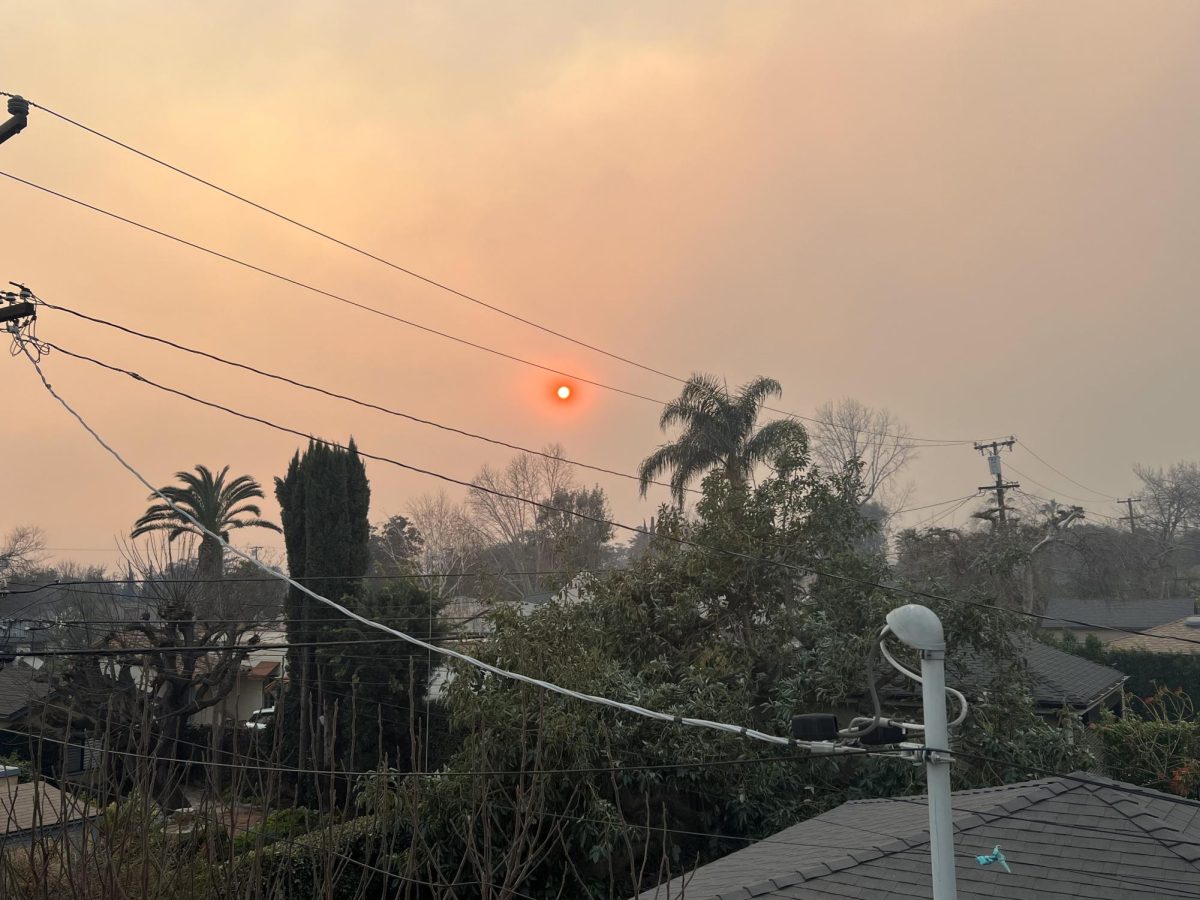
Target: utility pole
(992, 451)
(1129, 501)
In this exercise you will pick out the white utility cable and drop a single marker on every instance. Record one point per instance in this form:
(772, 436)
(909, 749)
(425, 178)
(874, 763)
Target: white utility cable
(821, 748)
(962, 700)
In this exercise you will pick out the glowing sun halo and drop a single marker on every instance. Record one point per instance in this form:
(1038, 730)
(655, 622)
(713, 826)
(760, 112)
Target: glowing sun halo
(563, 392)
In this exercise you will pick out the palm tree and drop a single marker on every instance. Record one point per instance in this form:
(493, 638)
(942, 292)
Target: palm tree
(719, 431)
(218, 508)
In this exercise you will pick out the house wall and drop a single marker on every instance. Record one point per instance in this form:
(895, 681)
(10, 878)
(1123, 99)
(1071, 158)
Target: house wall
(247, 695)
(1105, 635)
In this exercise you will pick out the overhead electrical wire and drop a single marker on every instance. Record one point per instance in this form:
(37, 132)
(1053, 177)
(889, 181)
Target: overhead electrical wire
(733, 762)
(1100, 494)
(433, 282)
(798, 567)
(909, 509)
(333, 296)
(237, 579)
(1047, 487)
(346, 398)
(707, 724)
(202, 648)
(924, 442)
(440, 285)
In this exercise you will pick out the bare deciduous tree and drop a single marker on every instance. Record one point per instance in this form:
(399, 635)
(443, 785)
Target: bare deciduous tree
(22, 551)
(1170, 499)
(849, 430)
(505, 525)
(449, 546)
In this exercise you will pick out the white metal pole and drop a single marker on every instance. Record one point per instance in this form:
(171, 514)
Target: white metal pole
(937, 773)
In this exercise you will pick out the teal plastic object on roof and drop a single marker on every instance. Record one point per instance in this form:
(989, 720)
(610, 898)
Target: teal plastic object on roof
(996, 856)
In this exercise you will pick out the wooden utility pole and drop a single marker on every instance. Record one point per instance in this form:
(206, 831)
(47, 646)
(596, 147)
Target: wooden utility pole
(992, 451)
(1129, 501)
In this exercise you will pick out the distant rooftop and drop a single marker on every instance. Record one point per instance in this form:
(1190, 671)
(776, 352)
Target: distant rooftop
(18, 688)
(1163, 638)
(28, 808)
(1056, 677)
(1132, 615)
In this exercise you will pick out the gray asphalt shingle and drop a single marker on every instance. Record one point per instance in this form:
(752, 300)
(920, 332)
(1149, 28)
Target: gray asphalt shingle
(1136, 615)
(1062, 838)
(18, 688)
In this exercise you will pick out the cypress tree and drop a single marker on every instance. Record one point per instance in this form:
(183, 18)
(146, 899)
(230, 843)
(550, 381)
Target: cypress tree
(324, 500)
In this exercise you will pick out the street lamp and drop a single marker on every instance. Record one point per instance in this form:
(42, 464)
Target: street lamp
(920, 628)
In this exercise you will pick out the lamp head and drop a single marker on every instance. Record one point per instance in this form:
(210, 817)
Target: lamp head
(917, 626)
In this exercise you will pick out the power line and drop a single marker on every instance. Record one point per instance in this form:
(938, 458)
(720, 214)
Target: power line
(495, 773)
(932, 505)
(542, 505)
(359, 250)
(1064, 474)
(1047, 487)
(202, 648)
(330, 294)
(237, 579)
(934, 518)
(348, 399)
(926, 442)
(410, 272)
(728, 728)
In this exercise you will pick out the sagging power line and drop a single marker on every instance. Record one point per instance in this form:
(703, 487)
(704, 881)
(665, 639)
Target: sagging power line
(433, 282)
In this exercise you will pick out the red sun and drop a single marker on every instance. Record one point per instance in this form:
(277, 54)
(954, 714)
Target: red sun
(563, 392)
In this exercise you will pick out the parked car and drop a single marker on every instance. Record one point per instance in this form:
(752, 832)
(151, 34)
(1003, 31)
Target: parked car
(259, 719)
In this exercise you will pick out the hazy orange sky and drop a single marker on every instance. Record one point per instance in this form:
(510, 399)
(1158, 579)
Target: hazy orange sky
(979, 215)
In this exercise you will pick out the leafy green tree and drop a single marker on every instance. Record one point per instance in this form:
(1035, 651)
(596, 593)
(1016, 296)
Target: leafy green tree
(520, 538)
(324, 500)
(747, 634)
(218, 506)
(1156, 745)
(573, 536)
(720, 431)
(381, 690)
(396, 546)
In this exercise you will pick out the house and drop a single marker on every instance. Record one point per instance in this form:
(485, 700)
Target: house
(261, 672)
(1057, 679)
(19, 689)
(22, 692)
(36, 809)
(1109, 620)
(261, 669)
(1067, 837)
(1173, 637)
(468, 616)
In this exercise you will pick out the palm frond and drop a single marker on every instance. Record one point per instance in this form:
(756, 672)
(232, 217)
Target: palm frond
(772, 437)
(254, 523)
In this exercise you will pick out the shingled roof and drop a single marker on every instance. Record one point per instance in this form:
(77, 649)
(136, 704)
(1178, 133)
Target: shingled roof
(1131, 615)
(31, 808)
(1174, 637)
(1059, 678)
(1062, 838)
(1056, 677)
(19, 688)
